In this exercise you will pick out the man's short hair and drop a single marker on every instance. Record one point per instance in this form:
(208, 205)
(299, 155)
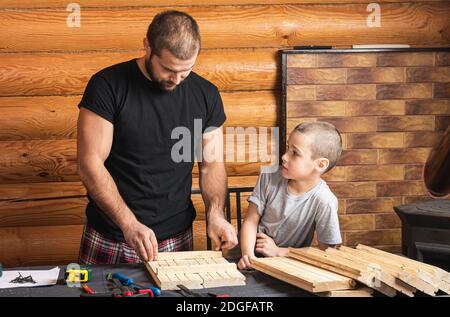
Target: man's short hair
(326, 140)
(175, 31)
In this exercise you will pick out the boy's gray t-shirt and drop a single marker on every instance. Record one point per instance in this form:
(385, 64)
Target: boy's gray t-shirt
(291, 220)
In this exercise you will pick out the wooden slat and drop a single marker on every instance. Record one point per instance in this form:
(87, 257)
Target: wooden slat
(408, 276)
(386, 276)
(275, 25)
(10, 4)
(55, 117)
(352, 269)
(67, 74)
(194, 269)
(188, 255)
(436, 272)
(302, 275)
(29, 246)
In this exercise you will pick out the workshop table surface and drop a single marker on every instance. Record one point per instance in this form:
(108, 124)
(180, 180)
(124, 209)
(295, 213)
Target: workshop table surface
(257, 284)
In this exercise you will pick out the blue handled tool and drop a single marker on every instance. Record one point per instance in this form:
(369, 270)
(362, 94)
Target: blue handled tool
(125, 280)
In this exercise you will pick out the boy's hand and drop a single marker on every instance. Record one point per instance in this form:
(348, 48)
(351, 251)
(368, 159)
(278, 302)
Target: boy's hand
(265, 245)
(244, 263)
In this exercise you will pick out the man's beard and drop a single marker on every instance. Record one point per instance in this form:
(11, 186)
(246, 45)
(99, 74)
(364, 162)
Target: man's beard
(161, 84)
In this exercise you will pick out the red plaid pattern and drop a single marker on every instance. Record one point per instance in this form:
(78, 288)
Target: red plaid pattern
(97, 249)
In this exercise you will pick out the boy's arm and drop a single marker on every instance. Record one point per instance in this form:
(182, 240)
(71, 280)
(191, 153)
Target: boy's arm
(249, 230)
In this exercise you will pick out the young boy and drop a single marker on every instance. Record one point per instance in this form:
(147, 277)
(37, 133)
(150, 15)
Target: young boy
(287, 206)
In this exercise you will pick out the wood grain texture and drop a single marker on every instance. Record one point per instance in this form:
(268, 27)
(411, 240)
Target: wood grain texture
(269, 25)
(55, 117)
(28, 246)
(161, 3)
(67, 74)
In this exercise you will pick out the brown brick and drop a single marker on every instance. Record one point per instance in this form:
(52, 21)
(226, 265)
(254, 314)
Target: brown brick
(301, 60)
(422, 139)
(413, 172)
(375, 140)
(345, 92)
(292, 123)
(404, 91)
(407, 188)
(406, 156)
(387, 221)
(428, 74)
(337, 174)
(300, 93)
(371, 205)
(347, 60)
(356, 222)
(406, 123)
(299, 109)
(373, 237)
(341, 206)
(348, 189)
(442, 123)
(358, 157)
(405, 59)
(353, 124)
(306, 76)
(375, 107)
(441, 90)
(375, 75)
(375, 172)
(443, 59)
(430, 106)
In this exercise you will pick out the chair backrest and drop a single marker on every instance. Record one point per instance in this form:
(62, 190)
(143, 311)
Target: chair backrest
(237, 191)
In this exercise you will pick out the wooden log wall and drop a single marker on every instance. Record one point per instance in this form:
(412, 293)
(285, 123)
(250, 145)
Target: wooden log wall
(45, 65)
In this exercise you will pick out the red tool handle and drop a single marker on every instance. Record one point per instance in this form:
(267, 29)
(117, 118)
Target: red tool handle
(87, 289)
(146, 291)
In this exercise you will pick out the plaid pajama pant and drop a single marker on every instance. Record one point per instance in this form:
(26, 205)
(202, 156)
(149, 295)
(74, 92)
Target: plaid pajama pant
(97, 249)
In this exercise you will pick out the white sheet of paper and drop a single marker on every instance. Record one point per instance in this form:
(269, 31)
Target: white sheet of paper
(42, 278)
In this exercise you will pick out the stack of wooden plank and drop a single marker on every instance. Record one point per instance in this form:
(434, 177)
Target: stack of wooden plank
(377, 269)
(194, 269)
(302, 275)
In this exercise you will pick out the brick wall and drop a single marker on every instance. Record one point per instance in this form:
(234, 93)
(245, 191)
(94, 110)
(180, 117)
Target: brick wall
(391, 108)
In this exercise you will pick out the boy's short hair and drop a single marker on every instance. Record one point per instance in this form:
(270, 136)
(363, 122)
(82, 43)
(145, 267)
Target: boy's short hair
(326, 140)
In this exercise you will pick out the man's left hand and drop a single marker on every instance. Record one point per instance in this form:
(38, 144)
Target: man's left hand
(221, 232)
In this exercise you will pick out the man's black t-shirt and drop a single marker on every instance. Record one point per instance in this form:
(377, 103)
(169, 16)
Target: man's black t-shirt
(156, 188)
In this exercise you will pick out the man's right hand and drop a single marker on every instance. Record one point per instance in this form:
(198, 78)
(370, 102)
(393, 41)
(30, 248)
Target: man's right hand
(142, 239)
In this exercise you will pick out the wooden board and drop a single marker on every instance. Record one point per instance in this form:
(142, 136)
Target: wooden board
(377, 269)
(302, 275)
(358, 292)
(193, 269)
(351, 269)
